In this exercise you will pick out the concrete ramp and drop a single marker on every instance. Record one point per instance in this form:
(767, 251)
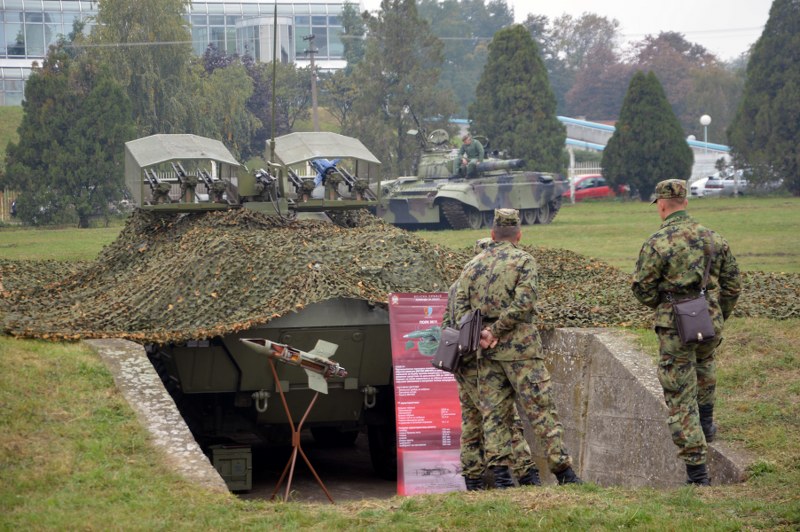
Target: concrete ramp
(615, 419)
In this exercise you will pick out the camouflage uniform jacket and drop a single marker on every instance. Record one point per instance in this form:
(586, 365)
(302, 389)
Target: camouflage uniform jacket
(673, 260)
(501, 281)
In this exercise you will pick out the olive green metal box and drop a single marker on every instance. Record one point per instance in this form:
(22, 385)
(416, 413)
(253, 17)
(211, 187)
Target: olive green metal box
(235, 465)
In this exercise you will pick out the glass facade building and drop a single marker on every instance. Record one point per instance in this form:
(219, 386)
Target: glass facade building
(29, 27)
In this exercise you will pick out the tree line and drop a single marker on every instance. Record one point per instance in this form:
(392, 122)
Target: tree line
(411, 65)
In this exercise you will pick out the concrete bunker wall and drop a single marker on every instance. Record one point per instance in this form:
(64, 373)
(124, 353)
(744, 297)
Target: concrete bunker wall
(612, 408)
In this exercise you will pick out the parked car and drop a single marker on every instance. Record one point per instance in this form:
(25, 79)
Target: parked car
(698, 188)
(726, 185)
(593, 186)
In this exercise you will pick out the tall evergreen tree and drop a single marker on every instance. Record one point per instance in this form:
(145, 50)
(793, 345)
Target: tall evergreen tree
(397, 80)
(67, 165)
(648, 144)
(765, 134)
(514, 104)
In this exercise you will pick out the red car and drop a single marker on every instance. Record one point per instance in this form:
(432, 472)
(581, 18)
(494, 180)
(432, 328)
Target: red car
(593, 186)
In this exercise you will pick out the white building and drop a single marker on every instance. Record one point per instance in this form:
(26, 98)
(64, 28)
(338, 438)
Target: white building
(29, 27)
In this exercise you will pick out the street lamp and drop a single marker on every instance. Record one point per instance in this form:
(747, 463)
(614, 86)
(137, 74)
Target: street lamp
(705, 120)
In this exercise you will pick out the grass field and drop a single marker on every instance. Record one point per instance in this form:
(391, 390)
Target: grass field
(72, 455)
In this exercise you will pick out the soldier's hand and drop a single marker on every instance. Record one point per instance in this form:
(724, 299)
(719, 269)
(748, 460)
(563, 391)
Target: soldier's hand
(487, 340)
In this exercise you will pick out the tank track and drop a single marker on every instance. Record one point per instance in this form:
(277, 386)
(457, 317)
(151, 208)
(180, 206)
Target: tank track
(454, 213)
(555, 206)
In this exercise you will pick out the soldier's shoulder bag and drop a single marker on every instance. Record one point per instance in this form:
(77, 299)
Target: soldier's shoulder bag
(470, 332)
(455, 343)
(447, 356)
(692, 318)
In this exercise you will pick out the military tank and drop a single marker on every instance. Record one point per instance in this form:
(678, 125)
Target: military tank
(437, 197)
(225, 390)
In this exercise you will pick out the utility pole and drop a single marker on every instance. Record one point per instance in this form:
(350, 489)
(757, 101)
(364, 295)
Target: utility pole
(311, 51)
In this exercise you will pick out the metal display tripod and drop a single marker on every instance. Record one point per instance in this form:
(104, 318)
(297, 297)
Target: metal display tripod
(296, 447)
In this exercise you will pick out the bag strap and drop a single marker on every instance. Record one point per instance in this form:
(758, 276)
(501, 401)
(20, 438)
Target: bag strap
(708, 265)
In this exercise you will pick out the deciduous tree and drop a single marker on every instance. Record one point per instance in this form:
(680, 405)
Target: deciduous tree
(146, 44)
(399, 74)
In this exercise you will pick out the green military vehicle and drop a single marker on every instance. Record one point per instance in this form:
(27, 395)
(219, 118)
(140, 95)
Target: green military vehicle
(225, 390)
(437, 197)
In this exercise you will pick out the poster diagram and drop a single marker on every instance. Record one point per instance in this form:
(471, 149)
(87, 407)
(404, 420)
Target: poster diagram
(426, 399)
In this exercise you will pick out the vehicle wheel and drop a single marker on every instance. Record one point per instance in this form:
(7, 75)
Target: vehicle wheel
(334, 436)
(543, 214)
(474, 218)
(528, 216)
(488, 218)
(383, 450)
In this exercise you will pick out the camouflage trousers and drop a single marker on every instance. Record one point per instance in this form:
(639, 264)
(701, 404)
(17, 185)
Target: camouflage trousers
(500, 383)
(473, 461)
(687, 374)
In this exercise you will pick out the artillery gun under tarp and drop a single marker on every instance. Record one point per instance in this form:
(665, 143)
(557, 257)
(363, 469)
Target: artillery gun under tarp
(438, 197)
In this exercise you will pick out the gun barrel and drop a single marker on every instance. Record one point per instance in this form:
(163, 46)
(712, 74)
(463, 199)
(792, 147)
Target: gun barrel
(505, 164)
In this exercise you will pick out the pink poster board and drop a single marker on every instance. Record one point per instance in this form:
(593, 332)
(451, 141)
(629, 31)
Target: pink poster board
(426, 399)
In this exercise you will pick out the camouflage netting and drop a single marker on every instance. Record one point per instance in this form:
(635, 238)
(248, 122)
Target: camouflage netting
(170, 278)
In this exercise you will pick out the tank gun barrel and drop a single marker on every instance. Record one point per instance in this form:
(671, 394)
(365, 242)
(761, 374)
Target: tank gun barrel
(506, 164)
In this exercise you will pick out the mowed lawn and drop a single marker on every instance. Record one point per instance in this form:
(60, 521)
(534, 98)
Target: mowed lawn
(73, 456)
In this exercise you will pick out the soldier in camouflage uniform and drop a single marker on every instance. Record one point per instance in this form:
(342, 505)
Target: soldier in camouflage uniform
(501, 281)
(670, 267)
(473, 464)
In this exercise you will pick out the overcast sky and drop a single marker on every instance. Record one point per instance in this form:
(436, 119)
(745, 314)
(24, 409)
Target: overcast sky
(725, 27)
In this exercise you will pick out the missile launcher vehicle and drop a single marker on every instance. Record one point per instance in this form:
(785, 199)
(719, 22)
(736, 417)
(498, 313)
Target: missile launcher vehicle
(225, 390)
(437, 197)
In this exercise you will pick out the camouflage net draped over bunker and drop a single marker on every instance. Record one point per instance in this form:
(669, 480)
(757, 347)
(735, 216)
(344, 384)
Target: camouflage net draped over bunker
(171, 278)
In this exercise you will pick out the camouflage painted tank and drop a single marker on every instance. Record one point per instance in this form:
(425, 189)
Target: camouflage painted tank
(439, 197)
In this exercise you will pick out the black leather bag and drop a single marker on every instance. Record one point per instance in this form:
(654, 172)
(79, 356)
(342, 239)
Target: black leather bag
(447, 356)
(693, 320)
(470, 329)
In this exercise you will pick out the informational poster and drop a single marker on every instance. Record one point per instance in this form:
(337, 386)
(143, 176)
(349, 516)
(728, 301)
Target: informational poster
(426, 399)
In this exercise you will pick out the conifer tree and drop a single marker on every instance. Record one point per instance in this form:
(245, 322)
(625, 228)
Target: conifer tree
(514, 104)
(67, 165)
(765, 135)
(648, 144)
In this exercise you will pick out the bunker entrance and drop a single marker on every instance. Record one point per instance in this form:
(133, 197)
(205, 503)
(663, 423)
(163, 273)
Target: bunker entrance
(606, 391)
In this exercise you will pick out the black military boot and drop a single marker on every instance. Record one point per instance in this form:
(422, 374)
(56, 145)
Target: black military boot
(502, 477)
(698, 475)
(474, 483)
(707, 422)
(568, 476)
(531, 478)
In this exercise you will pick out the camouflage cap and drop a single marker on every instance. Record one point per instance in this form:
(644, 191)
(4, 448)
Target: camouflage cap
(670, 188)
(506, 217)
